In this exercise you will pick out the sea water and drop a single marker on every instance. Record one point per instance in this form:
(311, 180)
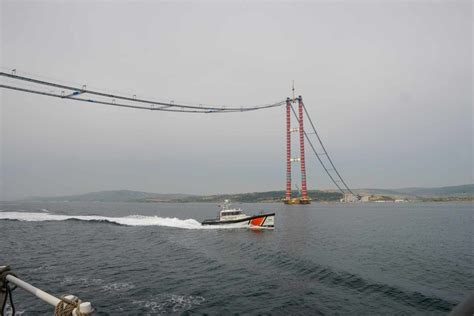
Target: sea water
(156, 258)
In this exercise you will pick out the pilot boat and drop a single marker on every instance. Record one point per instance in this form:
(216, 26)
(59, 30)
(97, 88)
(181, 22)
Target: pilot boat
(231, 217)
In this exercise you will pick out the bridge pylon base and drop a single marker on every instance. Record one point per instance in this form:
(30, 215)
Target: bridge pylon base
(294, 201)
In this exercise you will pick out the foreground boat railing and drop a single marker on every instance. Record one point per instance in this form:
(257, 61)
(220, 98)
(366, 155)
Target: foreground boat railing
(66, 305)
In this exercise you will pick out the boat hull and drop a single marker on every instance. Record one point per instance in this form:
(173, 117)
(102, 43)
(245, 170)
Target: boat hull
(261, 221)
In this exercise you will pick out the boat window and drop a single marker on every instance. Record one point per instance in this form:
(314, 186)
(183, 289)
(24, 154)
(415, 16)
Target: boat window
(231, 213)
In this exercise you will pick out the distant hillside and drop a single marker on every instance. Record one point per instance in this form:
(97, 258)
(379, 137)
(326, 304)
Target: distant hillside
(256, 197)
(136, 196)
(466, 190)
(113, 196)
(459, 192)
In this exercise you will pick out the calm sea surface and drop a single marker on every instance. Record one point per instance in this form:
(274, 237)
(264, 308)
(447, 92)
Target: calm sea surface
(147, 258)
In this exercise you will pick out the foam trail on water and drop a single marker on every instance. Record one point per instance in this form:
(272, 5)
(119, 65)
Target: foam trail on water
(131, 220)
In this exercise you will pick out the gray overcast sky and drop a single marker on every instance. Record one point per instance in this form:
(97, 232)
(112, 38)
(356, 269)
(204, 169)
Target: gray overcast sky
(389, 86)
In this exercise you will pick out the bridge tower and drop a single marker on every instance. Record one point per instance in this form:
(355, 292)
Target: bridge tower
(303, 198)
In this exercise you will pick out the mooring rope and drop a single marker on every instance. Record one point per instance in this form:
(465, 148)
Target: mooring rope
(66, 306)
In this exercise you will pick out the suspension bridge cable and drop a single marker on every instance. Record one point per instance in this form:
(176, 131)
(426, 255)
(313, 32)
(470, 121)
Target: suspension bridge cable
(164, 106)
(325, 151)
(327, 155)
(168, 107)
(317, 155)
(101, 102)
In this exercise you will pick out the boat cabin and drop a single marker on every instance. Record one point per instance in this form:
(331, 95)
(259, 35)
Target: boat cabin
(229, 215)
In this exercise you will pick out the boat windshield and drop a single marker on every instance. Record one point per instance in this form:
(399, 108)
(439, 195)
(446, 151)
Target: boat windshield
(231, 213)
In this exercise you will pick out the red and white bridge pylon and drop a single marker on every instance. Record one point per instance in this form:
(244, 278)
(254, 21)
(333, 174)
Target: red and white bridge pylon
(303, 199)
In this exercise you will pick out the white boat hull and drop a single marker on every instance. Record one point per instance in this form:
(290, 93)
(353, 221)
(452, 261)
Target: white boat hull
(261, 221)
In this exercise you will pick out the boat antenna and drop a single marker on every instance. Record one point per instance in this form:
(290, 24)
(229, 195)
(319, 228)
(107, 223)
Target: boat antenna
(293, 89)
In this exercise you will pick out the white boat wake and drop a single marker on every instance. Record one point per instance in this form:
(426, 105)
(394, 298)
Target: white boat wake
(131, 220)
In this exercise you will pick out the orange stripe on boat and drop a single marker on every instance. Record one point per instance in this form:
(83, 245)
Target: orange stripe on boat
(257, 221)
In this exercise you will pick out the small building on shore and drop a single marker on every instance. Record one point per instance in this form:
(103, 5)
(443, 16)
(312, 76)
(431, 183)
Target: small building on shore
(348, 198)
